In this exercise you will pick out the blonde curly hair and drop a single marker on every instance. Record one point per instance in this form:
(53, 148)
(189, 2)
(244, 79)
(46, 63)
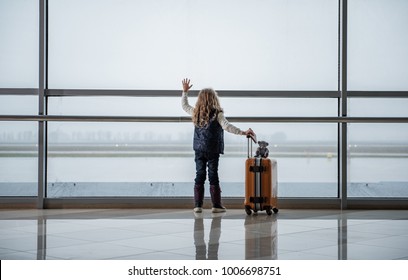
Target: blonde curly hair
(206, 105)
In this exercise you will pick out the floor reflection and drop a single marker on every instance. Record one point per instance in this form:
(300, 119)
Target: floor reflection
(41, 238)
(261, 237)
(178, 234)
(214, 238)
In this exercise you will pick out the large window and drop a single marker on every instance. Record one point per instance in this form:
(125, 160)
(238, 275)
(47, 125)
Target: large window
(378, 153)
(156, 159)
(138, 159)
(277, 66)
(230, 44)
(18, 69)
(377, 61)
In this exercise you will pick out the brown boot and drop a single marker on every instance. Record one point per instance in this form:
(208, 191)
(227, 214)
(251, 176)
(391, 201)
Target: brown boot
(215, 192)
(198, 198)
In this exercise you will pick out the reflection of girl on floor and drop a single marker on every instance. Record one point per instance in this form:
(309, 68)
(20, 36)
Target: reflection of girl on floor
(213, 243)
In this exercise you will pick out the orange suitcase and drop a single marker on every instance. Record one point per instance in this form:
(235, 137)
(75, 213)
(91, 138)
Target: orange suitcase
(261, 184)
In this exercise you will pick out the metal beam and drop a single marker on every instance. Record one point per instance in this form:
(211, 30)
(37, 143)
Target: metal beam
(177, 93)
(342, 129)
(18, 91)
(64, 118)
(223, 93)
(42, 106)
(378, 94)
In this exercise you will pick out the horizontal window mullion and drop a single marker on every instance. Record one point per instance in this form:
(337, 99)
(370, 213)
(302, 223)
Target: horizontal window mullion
(59, 118)
(18, 91)
(376, 94)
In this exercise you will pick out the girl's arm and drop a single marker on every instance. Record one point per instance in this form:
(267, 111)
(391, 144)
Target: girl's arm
(184, 104)
(230, 127)
(184, 99)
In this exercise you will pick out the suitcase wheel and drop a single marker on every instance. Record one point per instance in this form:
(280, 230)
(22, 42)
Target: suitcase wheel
(269, 211)
(248, 210)
(275, 210)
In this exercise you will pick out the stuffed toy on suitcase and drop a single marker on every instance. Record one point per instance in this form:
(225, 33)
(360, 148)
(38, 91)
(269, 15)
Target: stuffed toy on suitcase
(261, 184)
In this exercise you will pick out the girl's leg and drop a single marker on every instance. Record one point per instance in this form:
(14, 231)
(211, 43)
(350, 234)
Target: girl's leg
(201, 162)
(198, 198)
(213, 160)
(215, 189)
(215, 192)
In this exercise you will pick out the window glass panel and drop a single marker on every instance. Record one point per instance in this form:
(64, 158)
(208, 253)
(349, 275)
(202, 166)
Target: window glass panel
(156, 159)
(18, 105)
(228, 44)
(377, 45)
(171, 106)
(378, 161)
(270, 107)
(18, 148)
(378, 107)
(18, 159)
(120, 159)
(19, 43)
(116, 106)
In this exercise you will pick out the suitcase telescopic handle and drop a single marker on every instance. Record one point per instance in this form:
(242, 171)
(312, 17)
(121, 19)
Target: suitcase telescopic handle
(249, 140)
(253, 138)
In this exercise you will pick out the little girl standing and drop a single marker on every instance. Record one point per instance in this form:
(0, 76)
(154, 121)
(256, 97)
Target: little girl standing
(209, 125)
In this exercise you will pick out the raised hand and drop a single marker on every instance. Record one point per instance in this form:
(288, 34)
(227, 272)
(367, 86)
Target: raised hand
(186, 85)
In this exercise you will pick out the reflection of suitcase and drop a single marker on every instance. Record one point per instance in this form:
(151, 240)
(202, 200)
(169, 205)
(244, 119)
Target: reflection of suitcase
(261, 184)
(261, 237)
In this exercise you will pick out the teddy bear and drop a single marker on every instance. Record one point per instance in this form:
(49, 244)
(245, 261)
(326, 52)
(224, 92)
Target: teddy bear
(262, 150)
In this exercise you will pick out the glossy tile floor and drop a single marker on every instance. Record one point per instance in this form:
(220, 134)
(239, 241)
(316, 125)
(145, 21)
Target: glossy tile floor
(180, 235)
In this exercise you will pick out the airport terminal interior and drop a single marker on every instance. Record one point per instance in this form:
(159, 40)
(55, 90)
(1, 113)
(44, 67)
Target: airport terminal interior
(96, 151)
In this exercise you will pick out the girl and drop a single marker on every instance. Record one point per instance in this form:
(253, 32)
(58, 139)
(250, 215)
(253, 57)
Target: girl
(209, 123)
